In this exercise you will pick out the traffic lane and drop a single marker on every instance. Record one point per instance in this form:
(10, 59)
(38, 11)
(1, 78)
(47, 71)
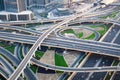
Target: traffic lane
(69, 45)
(4, 73)
(111, 34)
(28, 73)
(9, 55)
(60, 42)
(109, 37)
(7, 65)
(21, 29)
(30, 37)
(92, 60)
(82, 47)
(78, 44)
(106, 61)
(101, 75)
(117, 41)
(117, 76)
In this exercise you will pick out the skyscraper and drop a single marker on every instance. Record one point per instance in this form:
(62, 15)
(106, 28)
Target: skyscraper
(15, 5)
(2, 7)
(38, 2)
(14, 10)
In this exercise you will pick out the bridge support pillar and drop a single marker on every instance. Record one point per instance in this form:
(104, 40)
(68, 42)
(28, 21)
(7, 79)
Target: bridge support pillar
(46, 69)
(110, 73)
(39, 47)
(66, 25)
(19, 30)
(54, 21)
(69, 73)
(29, 64)
(25, 25)
(119, 58)
(49, 47)
(107, 23)
(11, 42)
(23, 74)
(41, 22)
(4, 28)
(93, 22)
(34, 55)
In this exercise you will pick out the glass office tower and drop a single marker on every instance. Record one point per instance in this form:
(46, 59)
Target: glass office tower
(38, 2)
(2, 5)
(15, 5)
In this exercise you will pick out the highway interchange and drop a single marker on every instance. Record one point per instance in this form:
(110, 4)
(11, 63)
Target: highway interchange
(103, 48)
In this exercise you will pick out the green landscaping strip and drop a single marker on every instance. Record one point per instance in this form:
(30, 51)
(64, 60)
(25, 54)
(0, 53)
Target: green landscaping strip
(68, 31)
(79, 35)
(10, 48)
(91, 37)
(111, 15)
(115, 63)
(60, 61)
(2, 44)
(33, 68)
(21, 53)
(109, 76)
(38, 54)
(102, 32)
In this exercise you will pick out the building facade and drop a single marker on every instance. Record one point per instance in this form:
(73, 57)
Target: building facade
(38, 2)
(2, 6)
(15, 5)
(22, 16)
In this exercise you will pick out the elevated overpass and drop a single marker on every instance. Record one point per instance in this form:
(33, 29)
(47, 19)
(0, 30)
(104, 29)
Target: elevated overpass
(97, 13)
(21, 29)
(4, 73)
(71, 69)
(27, 58)
(102, 48)
(6, 65)
(112, 21)
(98, 20)
(28, 73)
(30, 53)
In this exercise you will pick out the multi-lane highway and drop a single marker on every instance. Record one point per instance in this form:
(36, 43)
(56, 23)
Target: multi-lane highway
(100, 48)
(15, 62)
(110, 36)
(27, 58)
(17, 28)
(6, 65)
(104, 48)
(4, 73)
(30, 53)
